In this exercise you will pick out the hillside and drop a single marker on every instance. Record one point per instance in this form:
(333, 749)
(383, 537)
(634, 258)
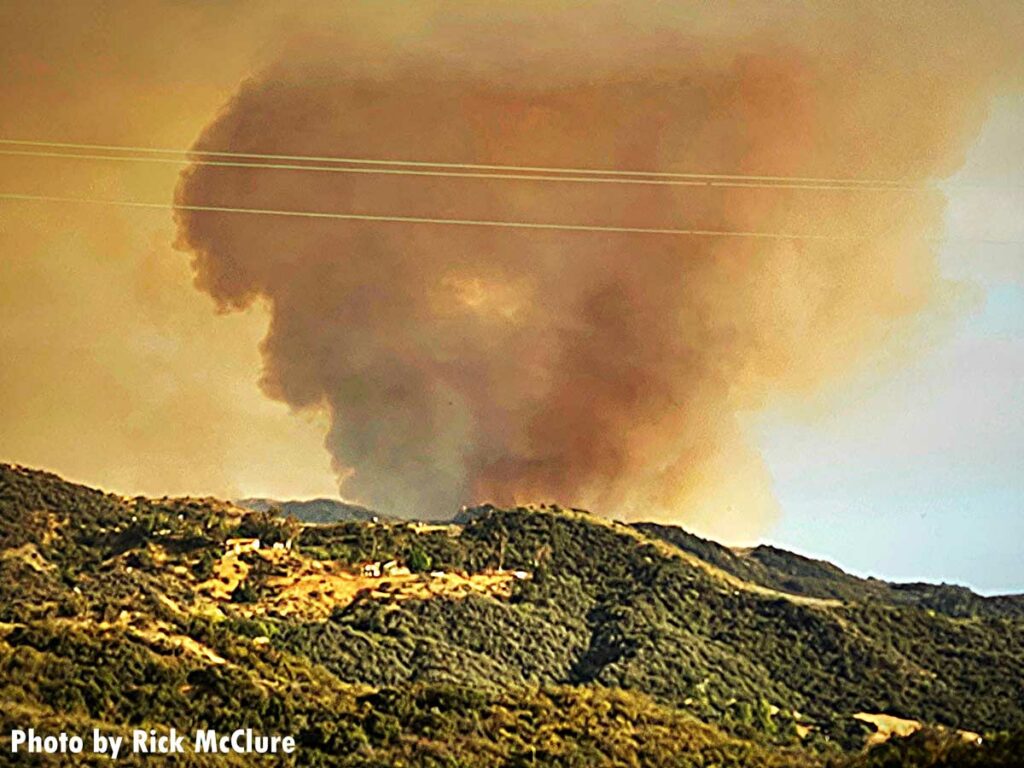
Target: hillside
(312, 510)
(788, 572)
(530, 636)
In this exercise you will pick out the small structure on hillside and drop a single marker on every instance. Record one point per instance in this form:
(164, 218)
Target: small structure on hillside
(375, 569)
(238, 546)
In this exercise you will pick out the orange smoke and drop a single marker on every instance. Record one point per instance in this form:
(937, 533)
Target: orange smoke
(602, 370)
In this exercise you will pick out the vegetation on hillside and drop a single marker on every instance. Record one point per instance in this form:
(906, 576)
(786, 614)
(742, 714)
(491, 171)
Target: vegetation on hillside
(605, 645)
(778, 569)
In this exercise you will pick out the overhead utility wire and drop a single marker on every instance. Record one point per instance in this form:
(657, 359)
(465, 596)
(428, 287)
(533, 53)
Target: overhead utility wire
(768, 179)
(530, 225)
(465, 174)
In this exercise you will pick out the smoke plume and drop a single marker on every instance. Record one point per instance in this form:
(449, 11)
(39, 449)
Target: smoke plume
(611, 371)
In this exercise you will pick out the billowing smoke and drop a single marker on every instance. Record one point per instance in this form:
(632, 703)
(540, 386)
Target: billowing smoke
(611, 371)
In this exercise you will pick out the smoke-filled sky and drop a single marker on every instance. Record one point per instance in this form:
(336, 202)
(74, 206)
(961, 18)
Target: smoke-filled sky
(830, 394)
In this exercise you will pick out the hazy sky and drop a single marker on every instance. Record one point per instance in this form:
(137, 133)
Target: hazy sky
(922, 475)
(117, 372)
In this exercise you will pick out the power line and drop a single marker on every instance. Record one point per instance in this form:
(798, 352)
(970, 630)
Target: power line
(463, 174)
(415, 219)
(446, 174)
(769, 180)
(529, 225)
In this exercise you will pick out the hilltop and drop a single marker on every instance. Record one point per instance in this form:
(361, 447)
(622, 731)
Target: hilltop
(527, 636)
(312, 510)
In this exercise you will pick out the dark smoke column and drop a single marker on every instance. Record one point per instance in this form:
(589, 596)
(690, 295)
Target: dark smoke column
(464, 364)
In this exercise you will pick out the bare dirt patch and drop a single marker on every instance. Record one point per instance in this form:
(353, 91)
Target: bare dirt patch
(887, 726)
(297, 586)
(30, 556)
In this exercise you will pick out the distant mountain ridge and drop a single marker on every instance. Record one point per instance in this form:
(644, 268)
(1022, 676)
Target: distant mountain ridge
(313, 510)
